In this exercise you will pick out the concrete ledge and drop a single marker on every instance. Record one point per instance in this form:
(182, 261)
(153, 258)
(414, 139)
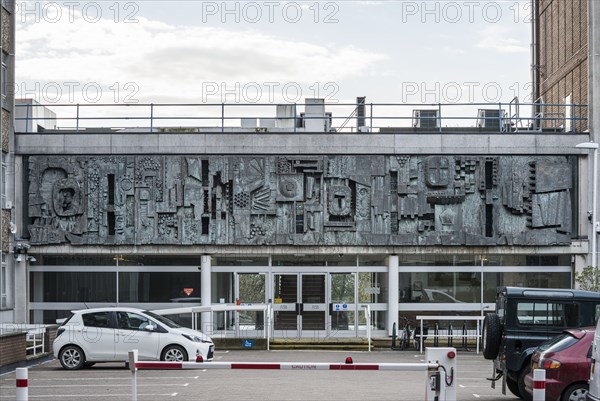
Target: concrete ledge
(70, 143)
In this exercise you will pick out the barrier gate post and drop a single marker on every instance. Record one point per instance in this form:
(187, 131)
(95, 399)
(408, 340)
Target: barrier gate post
(22, 391)
(441, 382)
(133, 358)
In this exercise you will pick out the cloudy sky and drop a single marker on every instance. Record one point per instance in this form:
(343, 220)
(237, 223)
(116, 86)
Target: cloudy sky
(273, 51)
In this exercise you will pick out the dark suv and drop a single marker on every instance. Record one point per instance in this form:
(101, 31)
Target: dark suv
(526, 317)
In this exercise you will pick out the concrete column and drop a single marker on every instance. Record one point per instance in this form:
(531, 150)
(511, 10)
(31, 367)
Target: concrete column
(393, 288)
(206, 293)
(21, 290)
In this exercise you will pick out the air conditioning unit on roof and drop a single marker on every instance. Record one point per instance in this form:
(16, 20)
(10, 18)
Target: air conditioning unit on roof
(425, 119)
(490, 118)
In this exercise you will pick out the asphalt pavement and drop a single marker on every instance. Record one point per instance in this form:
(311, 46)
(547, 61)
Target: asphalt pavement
(112, 381)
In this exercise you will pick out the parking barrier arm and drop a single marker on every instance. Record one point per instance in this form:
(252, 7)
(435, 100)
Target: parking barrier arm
(440, 380)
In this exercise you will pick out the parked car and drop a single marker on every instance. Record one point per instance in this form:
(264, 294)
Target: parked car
(108, 334)
(567, 361)
(525, 318)
(594, 382)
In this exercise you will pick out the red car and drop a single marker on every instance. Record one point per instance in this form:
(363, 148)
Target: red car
(567, 360)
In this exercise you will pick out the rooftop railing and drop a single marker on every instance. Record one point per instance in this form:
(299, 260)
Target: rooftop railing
(512, 117)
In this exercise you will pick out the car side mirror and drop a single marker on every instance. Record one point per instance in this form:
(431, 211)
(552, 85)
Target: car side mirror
(149, 327)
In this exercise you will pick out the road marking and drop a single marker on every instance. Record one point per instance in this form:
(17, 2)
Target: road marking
(151, 396)
(173, 395)
(476, 396)
(103, 385)
(186, 384)
(140, 377)
(461, 386)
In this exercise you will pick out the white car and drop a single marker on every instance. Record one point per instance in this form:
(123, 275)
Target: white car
(108, 334)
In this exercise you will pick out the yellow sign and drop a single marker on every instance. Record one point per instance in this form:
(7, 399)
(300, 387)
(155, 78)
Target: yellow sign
(278, 300)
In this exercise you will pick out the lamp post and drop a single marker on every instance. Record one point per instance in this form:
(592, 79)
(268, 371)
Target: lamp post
(594, 252)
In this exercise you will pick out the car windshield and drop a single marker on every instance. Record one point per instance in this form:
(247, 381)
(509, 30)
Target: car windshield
(558, 343)
(163, 320)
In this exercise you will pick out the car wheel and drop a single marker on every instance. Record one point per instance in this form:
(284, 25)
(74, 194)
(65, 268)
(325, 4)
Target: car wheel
(521, 383)
(71, 357)
(490, 336)
(174, 353)
(513, 386)
(576, 392)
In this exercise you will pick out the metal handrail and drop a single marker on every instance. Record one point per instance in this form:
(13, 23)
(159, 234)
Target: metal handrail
(380, 114)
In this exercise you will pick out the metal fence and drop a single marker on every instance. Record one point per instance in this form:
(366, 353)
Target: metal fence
(508, 117)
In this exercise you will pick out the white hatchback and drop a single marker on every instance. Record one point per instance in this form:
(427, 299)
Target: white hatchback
(108, 334)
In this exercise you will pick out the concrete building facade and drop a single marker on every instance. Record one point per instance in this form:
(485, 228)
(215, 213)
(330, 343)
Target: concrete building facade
(318, 225)
(12, 307)
(293, 212)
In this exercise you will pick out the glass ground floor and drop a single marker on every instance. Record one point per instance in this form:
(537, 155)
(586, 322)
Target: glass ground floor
(310, 296)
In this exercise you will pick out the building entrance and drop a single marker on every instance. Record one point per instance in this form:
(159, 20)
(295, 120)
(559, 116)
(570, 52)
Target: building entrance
(314, 305)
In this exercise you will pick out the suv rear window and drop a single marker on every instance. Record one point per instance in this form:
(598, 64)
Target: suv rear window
(547, 314)
(97, 319)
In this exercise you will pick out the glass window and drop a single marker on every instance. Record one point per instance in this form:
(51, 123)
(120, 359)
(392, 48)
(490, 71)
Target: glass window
(547, 314)
(3, 187)
(558, 343)
(372, 287)
(494, 280)
(342, 288)
(159, 287)
(133, 321)
(73, 287)
(241, 261)
(97, 319)
(3, 286)
(440, 287)
(4, 87)
(251, 288)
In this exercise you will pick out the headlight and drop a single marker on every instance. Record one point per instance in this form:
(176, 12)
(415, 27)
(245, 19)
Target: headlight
(195, 339)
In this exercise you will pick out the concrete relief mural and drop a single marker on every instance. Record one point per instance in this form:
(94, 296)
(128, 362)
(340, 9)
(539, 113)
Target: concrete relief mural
(303, 200)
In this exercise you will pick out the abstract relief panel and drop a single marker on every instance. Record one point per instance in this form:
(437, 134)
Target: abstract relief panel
(303, 200)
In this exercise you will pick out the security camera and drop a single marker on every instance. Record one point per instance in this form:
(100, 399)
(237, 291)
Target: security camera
(590, 215)
(31, 259)
(19, 258)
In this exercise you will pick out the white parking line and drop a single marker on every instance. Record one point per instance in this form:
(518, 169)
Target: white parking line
(103, 385)
(140, 377)
(151, 396)
(173, 395)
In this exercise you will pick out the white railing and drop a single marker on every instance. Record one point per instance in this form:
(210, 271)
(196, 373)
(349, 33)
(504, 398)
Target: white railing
(35, 335)
(451, 334)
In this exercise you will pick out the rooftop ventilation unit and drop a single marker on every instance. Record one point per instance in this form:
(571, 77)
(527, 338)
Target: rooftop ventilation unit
(360, 112)
(425, 119)
(490, 118)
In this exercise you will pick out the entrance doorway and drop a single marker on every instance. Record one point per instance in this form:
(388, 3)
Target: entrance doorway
(314, 304)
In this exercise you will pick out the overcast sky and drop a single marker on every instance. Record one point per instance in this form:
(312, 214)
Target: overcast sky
(273, 51)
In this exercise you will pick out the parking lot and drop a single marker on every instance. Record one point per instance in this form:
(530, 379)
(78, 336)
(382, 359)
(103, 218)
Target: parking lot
(113, 381)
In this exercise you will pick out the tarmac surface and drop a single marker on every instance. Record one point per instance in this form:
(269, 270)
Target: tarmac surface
(112, 381)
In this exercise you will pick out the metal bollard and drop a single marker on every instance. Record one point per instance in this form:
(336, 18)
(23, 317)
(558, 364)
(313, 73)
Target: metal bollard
(22, 391)
(436, 332)
(450, 338)
(539, 385)
(394, 336)
(464, 336)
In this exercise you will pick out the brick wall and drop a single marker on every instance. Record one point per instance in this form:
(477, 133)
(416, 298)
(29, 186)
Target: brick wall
(50, 336)
(12, 348)
(562, 37)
